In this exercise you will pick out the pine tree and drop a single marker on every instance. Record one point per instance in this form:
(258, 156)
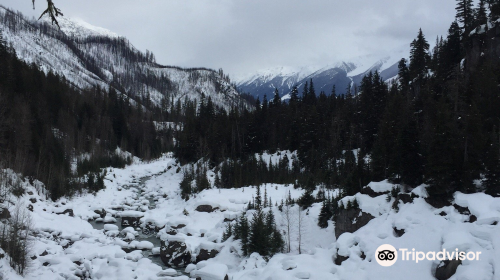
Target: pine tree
(294, 95)
(276, 98)
(481, 15)
(228, 232)
(325, 215)
(241, 231)
(258, 240)
(419, 56)
(258, 199)
(465, 14)
(494, 6)
(265, 197)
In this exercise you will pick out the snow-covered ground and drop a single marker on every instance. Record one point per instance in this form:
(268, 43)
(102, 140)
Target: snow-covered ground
(66, 246)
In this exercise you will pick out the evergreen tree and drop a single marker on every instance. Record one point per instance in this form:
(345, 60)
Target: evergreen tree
(419, 56)
(481, 14)
(465, 14)
(241, 231)
(276, 98)
(228, 232)
(258, 240)
(325, 215)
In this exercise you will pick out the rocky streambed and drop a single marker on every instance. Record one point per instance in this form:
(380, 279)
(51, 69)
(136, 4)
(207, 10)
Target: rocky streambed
(124, 224)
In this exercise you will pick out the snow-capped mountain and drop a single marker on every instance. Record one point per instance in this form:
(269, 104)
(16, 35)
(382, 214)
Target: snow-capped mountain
(342, 74)
(90, 56)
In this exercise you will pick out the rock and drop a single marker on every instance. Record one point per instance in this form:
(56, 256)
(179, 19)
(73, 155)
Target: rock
(442, 214)
(109, 220)
(45, 253)
(472, 218)
(206, 255)
(462, 210)
(33, 257)
(167, 272)
(179, 226)
(100, 212)
(5, 214)
(289, 265)
(350, 221)
(215, 271)
(398, 232)
(370, 192)
(46, 264)
(110, 227)
(30, 207)
(405, 198)
(67, 211)
(33, 200)
(446, 269)
(175, 254)
(437, 201)
(144, 245)
(131, 218)
(340, 259)
(206, 208)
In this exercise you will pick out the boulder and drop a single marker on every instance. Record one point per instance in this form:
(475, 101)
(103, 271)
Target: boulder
(67, 211)
(340, 259)
(131, 218)
(398, 232)
(175, 254)
(370, 192)
(206, 255)
(179, 226)
(446, 269)
(214, 271)
(405, 198)
(206, 208)
(33, 200)
(5, 214)
(100, 212)
(350, 221)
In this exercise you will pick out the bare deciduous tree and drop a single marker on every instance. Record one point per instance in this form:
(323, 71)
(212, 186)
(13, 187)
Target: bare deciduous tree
(15, 237)
(289, 221)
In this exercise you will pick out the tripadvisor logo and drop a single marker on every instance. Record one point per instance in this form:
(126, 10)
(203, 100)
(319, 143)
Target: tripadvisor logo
(387, 255)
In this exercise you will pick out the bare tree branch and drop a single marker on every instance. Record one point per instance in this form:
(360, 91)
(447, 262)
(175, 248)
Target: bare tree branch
(52, 11)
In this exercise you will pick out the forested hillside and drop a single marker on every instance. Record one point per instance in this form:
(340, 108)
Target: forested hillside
(437, 124)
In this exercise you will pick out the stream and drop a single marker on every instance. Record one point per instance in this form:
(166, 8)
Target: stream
(144, 235)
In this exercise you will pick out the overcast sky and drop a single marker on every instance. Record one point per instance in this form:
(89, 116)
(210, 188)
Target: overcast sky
(243, 36)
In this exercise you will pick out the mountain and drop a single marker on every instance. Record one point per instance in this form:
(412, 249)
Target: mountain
(342, 74)
(89, 56)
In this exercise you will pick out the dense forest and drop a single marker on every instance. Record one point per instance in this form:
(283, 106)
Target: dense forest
(46, 125)
(437, 124)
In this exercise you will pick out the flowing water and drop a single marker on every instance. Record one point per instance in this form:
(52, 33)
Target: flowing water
(144, 235)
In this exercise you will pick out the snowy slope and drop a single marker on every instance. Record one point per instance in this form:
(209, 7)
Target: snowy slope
(340, 74)
(66, 247)
(90, 56)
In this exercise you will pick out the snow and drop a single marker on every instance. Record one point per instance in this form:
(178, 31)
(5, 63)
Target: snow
(110, 227)
(214, 271)
(101, 253)
(52, 54)
(77, 27)
(380, 187)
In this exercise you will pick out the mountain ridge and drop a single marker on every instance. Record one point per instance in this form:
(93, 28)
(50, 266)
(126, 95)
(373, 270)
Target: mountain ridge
(342, 74)
(89, 56)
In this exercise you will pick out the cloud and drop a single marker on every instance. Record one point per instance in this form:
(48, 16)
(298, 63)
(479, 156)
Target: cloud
(243, 36)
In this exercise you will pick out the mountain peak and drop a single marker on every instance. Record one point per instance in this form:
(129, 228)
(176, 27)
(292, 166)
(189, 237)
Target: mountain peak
(76, 27)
